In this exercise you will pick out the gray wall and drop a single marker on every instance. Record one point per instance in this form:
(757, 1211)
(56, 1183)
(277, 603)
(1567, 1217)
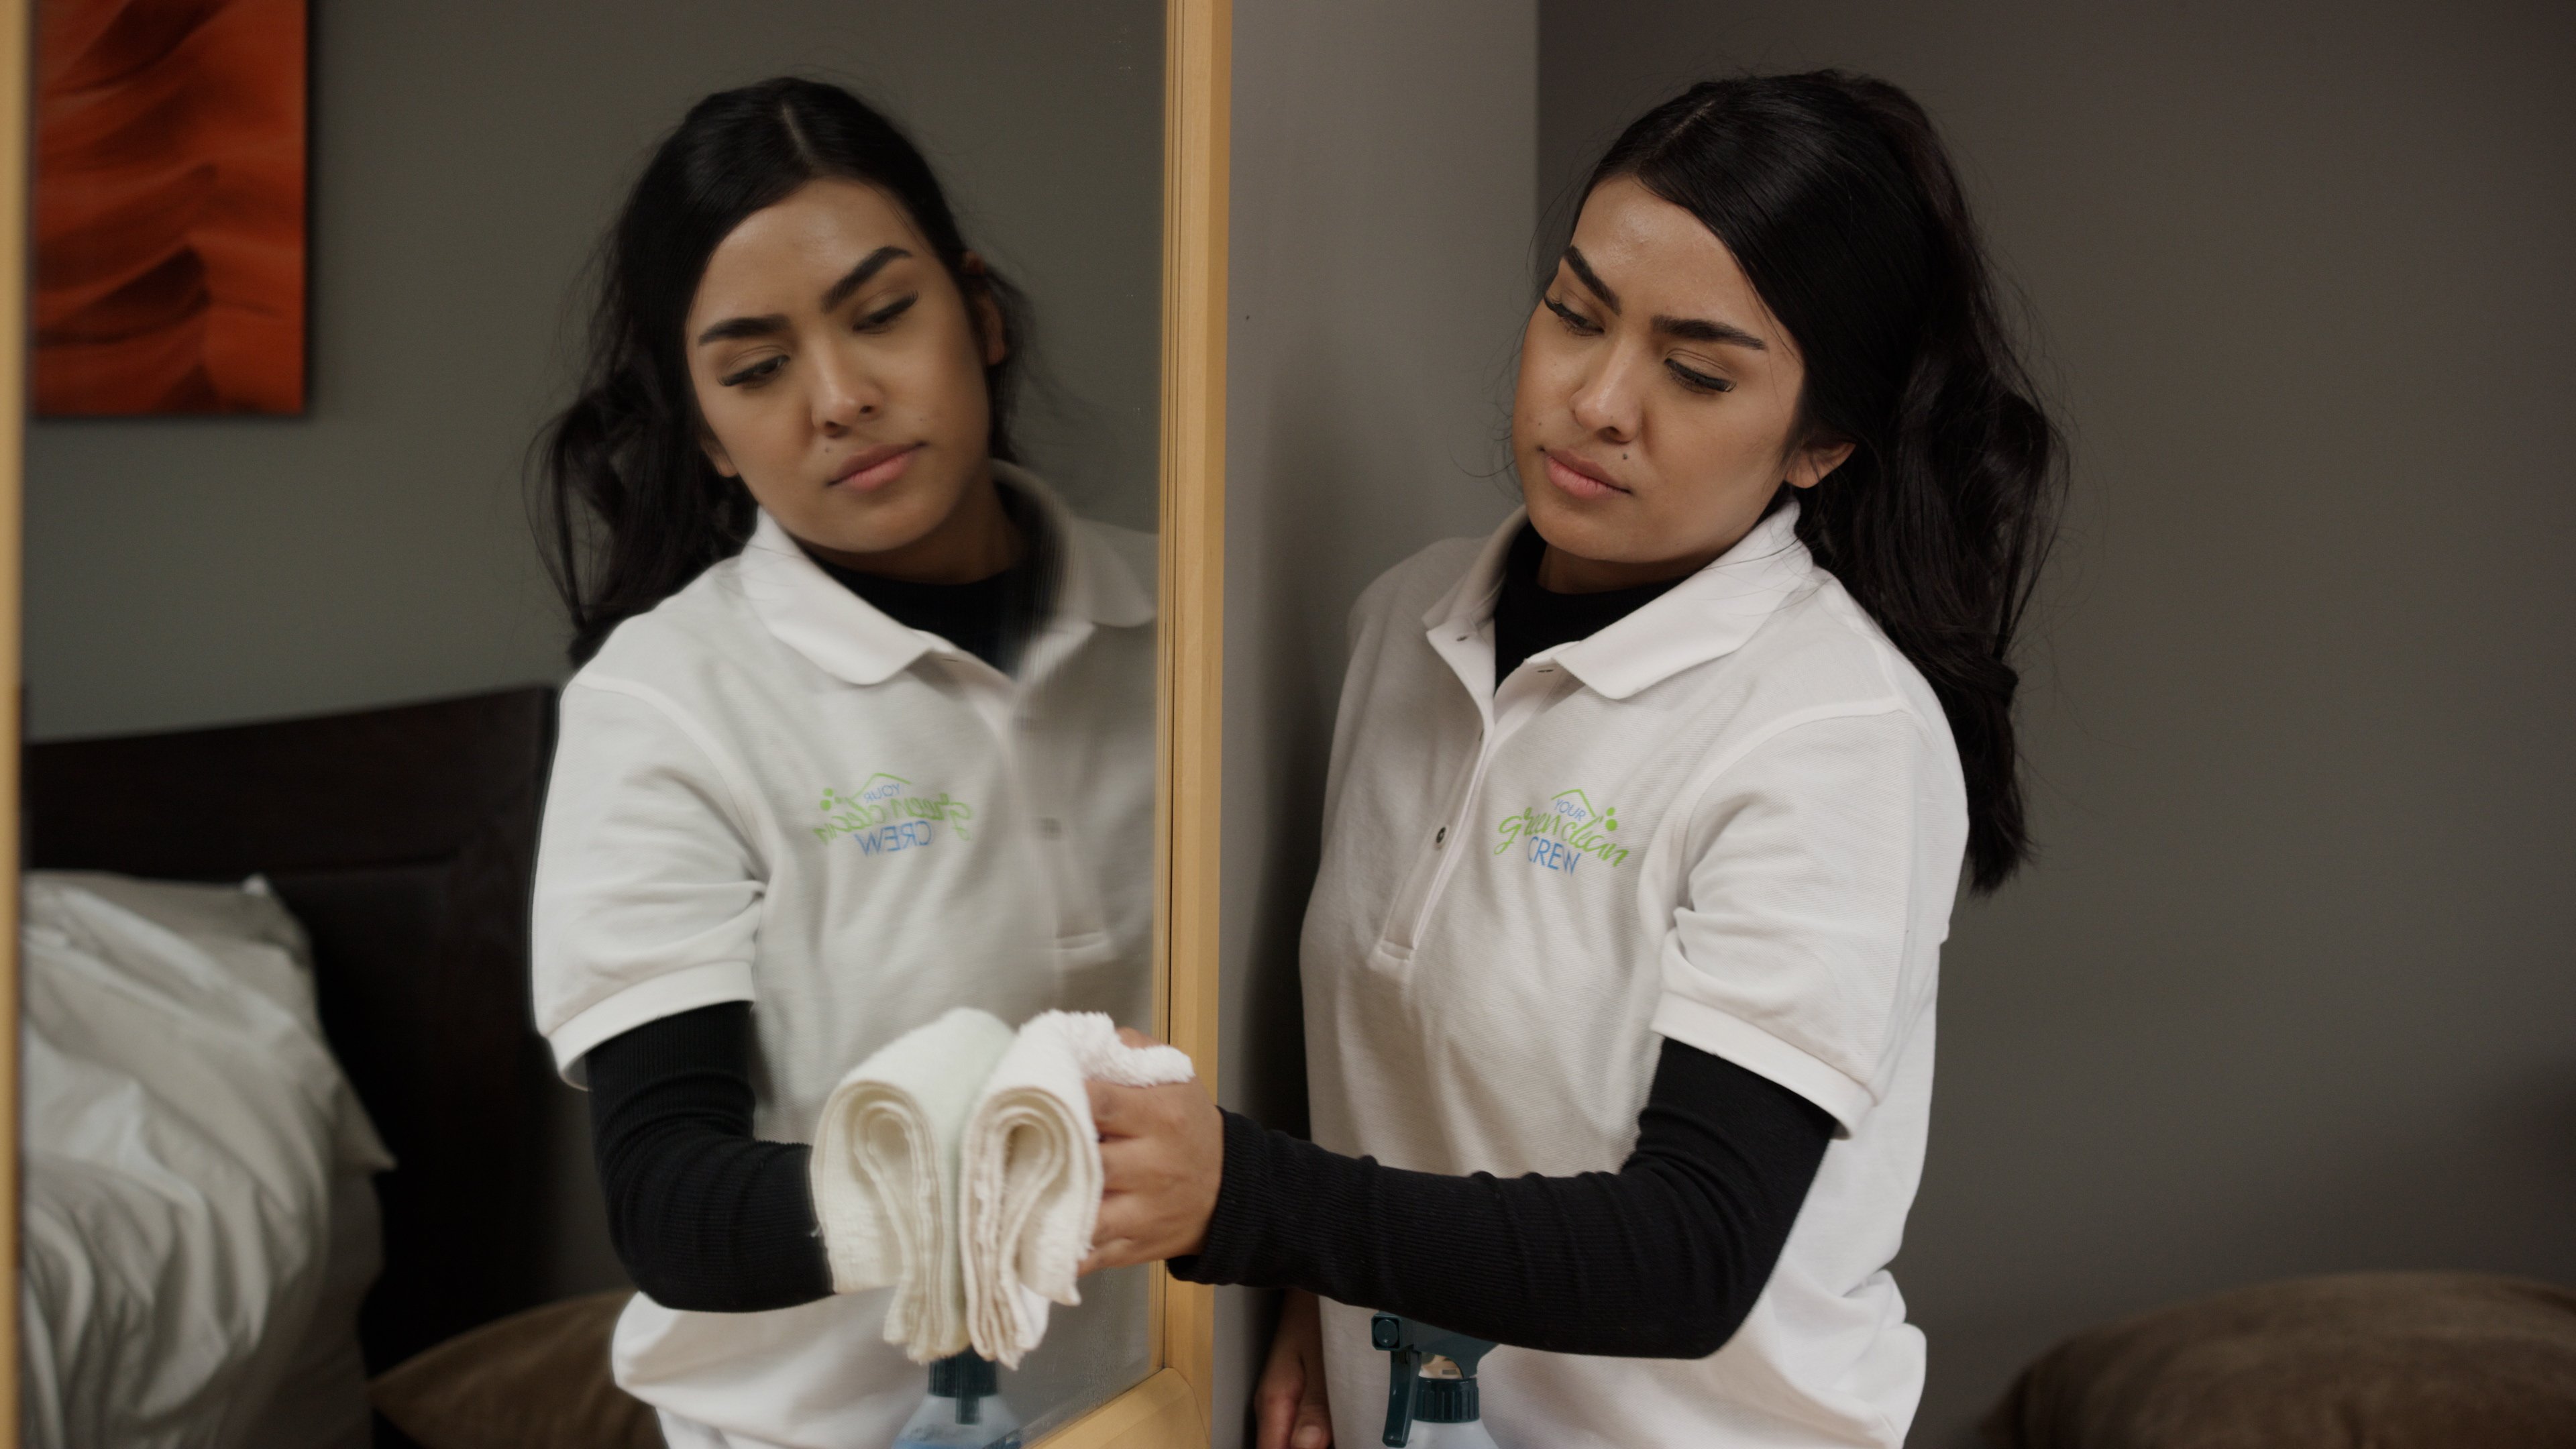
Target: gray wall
(1380, 229)
(2291, 989)
(466, 158)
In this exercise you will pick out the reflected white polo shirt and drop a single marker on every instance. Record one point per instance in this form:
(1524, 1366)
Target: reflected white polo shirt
(1734, 818)
(766, 790)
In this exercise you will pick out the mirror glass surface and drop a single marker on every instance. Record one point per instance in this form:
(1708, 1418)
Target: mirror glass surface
(226, 611)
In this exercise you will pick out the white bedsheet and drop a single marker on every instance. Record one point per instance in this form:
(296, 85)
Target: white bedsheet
(185, 1128)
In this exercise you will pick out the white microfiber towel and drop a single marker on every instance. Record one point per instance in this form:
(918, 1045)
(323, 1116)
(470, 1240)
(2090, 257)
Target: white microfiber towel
(1030, 1165)
(885, 1174)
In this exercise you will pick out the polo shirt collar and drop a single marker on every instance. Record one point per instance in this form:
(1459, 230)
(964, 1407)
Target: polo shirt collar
(845, 636)
(1097, 587)
(1706, 616)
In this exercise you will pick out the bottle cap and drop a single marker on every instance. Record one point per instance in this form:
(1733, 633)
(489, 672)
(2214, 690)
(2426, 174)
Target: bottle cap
(968, 1375)
(1445, 1401)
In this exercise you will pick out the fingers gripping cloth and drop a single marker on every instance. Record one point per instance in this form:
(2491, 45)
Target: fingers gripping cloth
(885, 1173)
(1030, 1163)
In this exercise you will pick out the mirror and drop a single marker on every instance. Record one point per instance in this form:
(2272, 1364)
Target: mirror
(295, 372)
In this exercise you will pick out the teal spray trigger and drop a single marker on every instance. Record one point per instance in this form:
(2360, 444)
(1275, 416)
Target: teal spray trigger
(1431, 1385)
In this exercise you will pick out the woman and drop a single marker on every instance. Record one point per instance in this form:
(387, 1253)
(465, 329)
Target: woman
(1644, 821)
(843, 667)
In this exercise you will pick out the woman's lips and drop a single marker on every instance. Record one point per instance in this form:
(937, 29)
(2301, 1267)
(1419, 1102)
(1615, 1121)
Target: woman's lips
(876, 467)
(1577, 480)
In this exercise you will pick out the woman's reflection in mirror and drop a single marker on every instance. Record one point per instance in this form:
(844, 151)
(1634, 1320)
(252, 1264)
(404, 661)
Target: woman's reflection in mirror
(862, 711)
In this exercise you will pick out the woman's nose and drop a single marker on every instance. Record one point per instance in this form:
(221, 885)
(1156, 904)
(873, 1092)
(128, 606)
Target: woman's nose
(846, 395)
(1605, 400)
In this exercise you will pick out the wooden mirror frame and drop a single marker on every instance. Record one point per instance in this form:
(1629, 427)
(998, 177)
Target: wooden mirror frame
(17, 47)
(1172, 1408)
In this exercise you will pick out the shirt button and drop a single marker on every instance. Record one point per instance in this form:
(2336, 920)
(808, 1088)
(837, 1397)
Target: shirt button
(1049, 828)
(1440, 837)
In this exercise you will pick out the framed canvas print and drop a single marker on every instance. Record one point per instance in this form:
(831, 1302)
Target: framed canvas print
(169, 207)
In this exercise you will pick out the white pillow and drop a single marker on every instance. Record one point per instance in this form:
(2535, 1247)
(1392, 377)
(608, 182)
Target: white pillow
(260, 944)
(122, 974)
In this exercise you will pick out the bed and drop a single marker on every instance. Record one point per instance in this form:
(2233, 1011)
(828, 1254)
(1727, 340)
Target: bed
(402, 840)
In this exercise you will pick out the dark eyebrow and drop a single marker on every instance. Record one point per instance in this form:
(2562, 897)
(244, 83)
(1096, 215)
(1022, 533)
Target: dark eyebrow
(733, 327)
(857, 276)
(1583, 270)
(833, 296)
(1690, 327)
(1699, 331)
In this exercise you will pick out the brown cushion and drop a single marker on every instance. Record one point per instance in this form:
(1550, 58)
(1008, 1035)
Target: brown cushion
(534, 1380)
(2384, 1360)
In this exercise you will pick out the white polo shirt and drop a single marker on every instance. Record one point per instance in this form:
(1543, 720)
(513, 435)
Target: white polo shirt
(766, 790)
(1734, 818)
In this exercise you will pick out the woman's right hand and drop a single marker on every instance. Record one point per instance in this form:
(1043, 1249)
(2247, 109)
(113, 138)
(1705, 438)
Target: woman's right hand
(1290, 1404)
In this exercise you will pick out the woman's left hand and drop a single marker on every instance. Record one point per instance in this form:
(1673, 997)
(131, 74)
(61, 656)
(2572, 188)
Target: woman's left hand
(1162, 1156)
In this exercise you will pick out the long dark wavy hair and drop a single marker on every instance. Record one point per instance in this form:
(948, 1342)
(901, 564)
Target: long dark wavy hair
(1834, 194)
(626, 506)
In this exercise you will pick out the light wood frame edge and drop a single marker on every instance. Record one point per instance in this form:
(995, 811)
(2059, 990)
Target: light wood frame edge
(16, 76)
(1174, 1407)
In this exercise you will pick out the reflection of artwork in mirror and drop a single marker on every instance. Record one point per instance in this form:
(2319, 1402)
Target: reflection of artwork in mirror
(169, 207)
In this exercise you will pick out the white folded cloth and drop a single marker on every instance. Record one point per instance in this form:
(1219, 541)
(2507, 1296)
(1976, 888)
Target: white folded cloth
(1030, 1172)
(884, 1172)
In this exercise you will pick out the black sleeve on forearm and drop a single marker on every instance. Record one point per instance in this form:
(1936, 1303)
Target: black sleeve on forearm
(1661, 1259)
(703, 1215)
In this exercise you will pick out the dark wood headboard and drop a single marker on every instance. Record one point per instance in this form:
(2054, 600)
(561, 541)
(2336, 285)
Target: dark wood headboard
(405, 841)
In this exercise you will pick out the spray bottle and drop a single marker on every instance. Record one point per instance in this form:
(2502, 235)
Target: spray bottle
(1431, 1385)
(963, 1410)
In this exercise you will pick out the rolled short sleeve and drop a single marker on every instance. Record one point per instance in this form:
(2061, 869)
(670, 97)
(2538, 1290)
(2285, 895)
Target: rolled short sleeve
(1790, 956)
(648, 883)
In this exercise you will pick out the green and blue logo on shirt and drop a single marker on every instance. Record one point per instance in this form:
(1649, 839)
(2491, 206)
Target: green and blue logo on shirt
(1561, 834)
(886, 814)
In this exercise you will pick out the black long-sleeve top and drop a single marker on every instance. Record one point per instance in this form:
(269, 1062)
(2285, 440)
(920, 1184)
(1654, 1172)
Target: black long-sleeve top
(704, 1215)
(1662, 1258)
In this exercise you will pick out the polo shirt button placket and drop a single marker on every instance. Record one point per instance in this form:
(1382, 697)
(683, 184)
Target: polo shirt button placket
(1420, 914)
(1522, 703)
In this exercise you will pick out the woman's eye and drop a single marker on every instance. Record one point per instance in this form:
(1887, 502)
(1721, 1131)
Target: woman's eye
(1574, 321)
(1698, 381)
(878, 320)
(758, 373)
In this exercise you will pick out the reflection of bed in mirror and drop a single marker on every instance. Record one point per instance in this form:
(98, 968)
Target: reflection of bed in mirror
(401, 840)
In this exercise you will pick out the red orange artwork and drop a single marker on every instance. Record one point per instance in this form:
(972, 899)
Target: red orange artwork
(169, 206)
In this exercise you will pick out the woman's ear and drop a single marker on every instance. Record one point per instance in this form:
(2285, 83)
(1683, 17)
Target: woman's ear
(1809, 465)
(986, 308)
